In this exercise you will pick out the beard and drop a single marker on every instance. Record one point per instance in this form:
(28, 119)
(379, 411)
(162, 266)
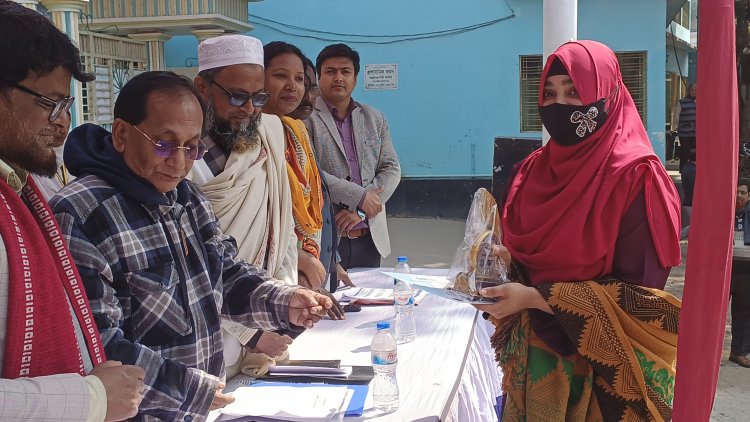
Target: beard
(240, 139)
(25, 148)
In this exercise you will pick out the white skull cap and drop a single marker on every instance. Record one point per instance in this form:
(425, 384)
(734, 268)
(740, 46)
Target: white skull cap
(228, 50)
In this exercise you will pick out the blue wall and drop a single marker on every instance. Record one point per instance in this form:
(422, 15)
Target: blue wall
(458, 92)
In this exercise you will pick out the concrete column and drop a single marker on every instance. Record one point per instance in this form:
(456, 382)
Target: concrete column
(559, 25)
(155, 44)
(65, 17)
(204, 34)
(31, 4)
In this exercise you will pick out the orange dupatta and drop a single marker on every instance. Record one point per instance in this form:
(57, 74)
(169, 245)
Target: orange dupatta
(304, 182)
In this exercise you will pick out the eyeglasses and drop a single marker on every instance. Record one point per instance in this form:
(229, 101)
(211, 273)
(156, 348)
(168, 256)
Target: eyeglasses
(314, 90)
(166, 148)
(57, 107)
(238, 99)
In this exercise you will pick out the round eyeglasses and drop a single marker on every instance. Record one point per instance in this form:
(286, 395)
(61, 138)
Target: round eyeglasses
(56, 107)
(239, 99)
(314, 90)
(165, 149)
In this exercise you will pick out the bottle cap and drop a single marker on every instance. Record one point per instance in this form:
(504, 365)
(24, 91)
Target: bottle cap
(403, 259)
(384, 325)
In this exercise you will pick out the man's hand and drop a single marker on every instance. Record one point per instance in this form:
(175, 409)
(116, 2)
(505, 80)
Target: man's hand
(124, 386)
(337, 311)
(372, 205)
(220, 399)
(313, 270)
(272, 344)
(346, 220)
(307, 307)
(343, 276)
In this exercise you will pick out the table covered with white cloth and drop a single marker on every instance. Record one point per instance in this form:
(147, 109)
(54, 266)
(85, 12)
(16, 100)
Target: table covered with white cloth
(448, 373)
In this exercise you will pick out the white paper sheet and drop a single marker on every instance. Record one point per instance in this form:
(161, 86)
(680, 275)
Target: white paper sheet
(309, 404)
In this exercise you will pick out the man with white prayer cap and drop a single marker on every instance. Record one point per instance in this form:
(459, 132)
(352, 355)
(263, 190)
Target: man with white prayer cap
(244, 175)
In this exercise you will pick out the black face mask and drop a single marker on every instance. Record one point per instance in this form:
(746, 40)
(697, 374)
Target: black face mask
(571, 124)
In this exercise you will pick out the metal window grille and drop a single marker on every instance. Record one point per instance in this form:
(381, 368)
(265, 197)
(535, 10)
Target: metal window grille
(113, 61)
(531, 71)
(634, 76)
(683, 16)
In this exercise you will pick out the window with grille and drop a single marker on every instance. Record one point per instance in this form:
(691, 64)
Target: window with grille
(683, 16)
(531, 72)
(634, 76)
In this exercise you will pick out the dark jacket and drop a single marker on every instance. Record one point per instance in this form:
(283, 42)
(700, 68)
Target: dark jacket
(158, 273)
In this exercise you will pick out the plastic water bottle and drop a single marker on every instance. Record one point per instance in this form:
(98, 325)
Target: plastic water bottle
(403, 301)
(402, 266)
(384, 362)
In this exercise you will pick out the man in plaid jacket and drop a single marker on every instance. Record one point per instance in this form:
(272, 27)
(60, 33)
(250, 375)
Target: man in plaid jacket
(158, 271)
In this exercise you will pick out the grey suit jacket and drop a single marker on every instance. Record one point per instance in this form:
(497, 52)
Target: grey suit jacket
(378, 162)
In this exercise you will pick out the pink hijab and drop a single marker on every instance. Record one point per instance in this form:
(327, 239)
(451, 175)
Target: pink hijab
(564, 207)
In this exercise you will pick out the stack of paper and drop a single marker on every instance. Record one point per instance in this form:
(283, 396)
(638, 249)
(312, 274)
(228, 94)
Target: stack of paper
(312, 403)
(372, 296)
(310, 371)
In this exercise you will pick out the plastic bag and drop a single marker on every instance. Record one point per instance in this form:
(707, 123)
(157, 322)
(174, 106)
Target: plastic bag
(474, 266)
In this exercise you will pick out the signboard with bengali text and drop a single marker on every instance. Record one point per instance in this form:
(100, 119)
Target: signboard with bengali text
(381, 76)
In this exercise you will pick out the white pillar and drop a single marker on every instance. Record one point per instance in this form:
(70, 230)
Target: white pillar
(31, 4)
(155, 44)
(559, 25)
(204, 34)
(65, 17)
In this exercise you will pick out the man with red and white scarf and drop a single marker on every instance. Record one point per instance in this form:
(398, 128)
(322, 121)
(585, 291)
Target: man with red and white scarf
(52, 364)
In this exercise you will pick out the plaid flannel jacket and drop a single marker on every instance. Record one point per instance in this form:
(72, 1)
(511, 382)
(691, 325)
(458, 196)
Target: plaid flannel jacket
(158, 278)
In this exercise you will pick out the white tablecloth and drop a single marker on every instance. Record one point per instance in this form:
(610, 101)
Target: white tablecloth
(448, 373)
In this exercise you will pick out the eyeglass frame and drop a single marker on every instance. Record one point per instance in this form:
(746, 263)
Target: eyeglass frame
(174, 147)
(312, 88)
(237, 96)
(63, 104)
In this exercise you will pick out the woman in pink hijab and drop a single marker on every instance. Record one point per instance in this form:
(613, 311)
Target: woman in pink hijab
(591, 225)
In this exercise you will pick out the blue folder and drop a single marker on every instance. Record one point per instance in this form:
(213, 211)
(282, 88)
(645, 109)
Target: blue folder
(356, 405)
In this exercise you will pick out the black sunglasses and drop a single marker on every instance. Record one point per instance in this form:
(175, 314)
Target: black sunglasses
(238, 99)
(56, 107)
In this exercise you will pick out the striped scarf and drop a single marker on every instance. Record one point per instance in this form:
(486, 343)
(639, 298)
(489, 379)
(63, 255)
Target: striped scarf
(44, 286)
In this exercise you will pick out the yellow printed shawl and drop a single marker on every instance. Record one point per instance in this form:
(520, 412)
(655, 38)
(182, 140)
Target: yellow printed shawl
(624, 367)
(304, 182)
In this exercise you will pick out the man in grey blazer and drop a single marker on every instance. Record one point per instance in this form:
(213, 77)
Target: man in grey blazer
(355, 152)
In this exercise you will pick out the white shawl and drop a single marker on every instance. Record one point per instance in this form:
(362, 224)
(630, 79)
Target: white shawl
(252, 200)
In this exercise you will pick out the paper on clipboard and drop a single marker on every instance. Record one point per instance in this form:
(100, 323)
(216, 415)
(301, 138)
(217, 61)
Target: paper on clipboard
(436, 285)
(315, 403)
(375, 296)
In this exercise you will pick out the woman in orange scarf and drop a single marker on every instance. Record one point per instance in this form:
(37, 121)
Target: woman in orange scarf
(285, 80)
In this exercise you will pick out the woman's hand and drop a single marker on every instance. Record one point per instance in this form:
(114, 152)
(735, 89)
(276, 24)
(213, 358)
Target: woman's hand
(313, 270)
(502, 252)
(512, 298)
(343, 276)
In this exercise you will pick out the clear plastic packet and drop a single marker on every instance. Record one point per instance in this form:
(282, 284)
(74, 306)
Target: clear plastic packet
(474, 266)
